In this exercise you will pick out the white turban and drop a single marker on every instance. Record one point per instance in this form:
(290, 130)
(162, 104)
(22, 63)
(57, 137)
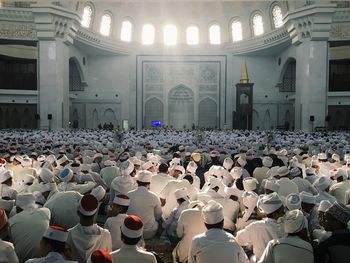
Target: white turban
(212, 213)
(192, 167)
(25, 201)
(228, 163)
(242, 162)
(269, 203)
(270, 184)
(250, 184)
(322, 183)
(46, 175)
(307, 198)
(267, 161)
(249, 200)
(293, 221)
(181, 193)
(236, 172)
(293, 201)
(324, 205)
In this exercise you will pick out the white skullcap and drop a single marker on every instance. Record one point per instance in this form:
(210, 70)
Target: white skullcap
(212, 213)
(322, 183)
(56, 233)
(293, 201)
(109, 163)
(283, 171)
(236, 172)
(314, 162)
(273, 171)
(324, 205)
(228, 163)
(233, 191)
(98, 155)
(41, 158)
(99, 192)
(192, 167)
(340, 212)
(61, 160)
(294, 172)
(293, 221)
(242, 162)
(180, 169)
(269, 203)
(270, 184)
(5, 175)
(250, 184)
(135, 161)
(28, 178)
(25, 200)
(249, 200)
(122, 184)
(121, 199)
(181, 193)
(85, 167)
(214, 182)
(283, 152)
(341, 173)
(322, 156)
(336, 157)
(309, 171)
(144, 176)
(307, 198)
(26, 162)
(147, 165)
(267, 161)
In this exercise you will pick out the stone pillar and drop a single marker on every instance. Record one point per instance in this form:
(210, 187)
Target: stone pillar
(56, 28)
(311, 84)
(53, 84)
(309, 28)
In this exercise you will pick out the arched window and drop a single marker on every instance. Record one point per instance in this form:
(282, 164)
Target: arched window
(215, 34)
(148, 33)
(87, 16)
(126, 31)
(106, 22)
(277, 16)
(192, 35)
(258, 25)
(237, 33)
(170, 35)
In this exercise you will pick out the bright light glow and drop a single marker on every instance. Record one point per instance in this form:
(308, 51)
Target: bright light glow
(148, 33)
(214, 35)
(258, 26)
(106, 22)
(277, 16)
(86, 17)
(126, 32)
(237, 33)
(192, 35)
(170, 35)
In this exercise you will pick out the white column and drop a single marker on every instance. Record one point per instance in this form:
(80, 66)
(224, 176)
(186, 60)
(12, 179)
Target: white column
(53, 84)
(311, 84)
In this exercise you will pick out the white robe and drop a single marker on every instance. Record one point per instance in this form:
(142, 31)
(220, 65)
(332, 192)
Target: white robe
(113, 225)
(51, 257)
(128, 254)
(7, 252)
(216, 245)
(158, 182)
(84, 240)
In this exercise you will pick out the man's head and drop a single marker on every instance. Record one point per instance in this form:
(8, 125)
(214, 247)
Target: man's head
(53, 240)
(144, 178)
(3, 224)
(271, 205)
(337, 217)
(308, 201)
(120, 204)
(131, 230)
(6, 177)
(295, 223)
(163, 168)
(87, 209)
(213, 215)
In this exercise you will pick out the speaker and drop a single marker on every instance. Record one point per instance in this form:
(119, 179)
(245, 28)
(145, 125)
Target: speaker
(328, 118)
(312, 118)
(49, 116)
(37, 116)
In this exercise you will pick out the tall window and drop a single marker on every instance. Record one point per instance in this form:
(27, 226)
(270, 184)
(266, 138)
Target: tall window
(126, 32)
(258, 26)
(215, 34)
(148, 33)
(237, 33)
(277, 16)
(87, 16)
(170, 35)
(192, 35)
(288, 81)
(106, 22)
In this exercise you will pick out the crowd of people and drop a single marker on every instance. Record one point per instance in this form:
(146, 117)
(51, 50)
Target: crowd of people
(212, 196)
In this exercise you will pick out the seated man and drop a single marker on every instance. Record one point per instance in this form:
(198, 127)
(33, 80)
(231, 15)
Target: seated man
(86, 236)
(7, 251)
(215, 245)
(52, 246)
(131, 233)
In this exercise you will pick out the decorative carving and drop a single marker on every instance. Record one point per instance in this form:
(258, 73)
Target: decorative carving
(208, 73)
(153, 73)
(180, 70)
(340, 31)
(208, 88)
(153, 88)
(15, 14)
(17, 31)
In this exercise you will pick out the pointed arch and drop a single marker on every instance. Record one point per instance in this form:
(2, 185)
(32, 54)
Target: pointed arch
(154, 111)
(207, 113)
(256, 120)
(267, 120)
(109, 117)
(76, 74)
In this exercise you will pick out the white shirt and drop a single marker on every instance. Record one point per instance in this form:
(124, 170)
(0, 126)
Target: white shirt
(158, 182)
(259, 233)
(26, 231)
(7, 252)
(230, 210)
(168, 191)
(215, 245)
(52, 257)
(304, 185)
(113, 225)
(128, 254)
(290, 249)
(190, 224)
(84, 240)
(6, 191)
(260, 173)
(286, 187)
(80, 188)
(145, 205)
